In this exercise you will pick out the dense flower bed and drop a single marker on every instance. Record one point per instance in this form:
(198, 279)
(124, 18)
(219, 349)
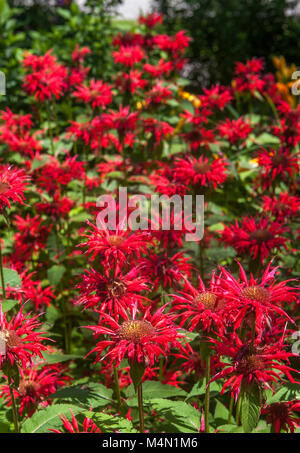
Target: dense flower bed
(120, 329)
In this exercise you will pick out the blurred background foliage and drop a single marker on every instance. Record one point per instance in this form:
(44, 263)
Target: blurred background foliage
(223, 32)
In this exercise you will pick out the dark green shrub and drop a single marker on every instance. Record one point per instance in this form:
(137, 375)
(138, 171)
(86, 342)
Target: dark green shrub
(224, 32)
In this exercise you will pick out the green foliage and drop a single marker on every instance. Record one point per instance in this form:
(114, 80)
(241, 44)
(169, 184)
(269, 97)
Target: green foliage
(235, 30)
(45, 419)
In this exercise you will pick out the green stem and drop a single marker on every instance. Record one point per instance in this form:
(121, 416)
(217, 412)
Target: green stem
(161, 369)
(207, 395)
(230, 408)
(238, 408)
(141, 410)
(50, 128)
(117, 386)
(2, 275)
(13, 403)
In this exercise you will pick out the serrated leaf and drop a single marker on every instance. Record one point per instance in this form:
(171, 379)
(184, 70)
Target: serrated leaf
(250, 408)
(11, 278)
(55, 274)
(8, 304)
(57, 358)
(109, 423)
(181, 416)
(48, 418)
(288, 392)
(94, 395)
(151, 389)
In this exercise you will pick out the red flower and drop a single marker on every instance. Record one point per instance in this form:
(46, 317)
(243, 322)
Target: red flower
(281, 164)
(12, 185)
(281, 415)
(111, 294)
(157, 95)
(88, 425)
(202, 307)
(151, 20)
(36, 385)
(128, 55)
(163, 67)
(257, 238)
(259, 364)
(257, 301)
(248, 76)
(130, 82)
(199, 136)
(116, 247)
(47, 78)
(97, 93)
(282, 207)
(79, 54)
(19, 339)
(57, 208)
(139, 340)
(234, 130)
(216, 97)
(31, 236)
(165, 270)
(200, 171)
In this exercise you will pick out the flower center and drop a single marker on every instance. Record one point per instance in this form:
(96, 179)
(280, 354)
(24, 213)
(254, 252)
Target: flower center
(28, 387)
(279, 410)
(4, 186)
(135, 331)
(256, 293)
(279, 159)
(261, 236)
(202, 167)
(208, 299)
(117, 288)
(11, 338)
(115, 240)
(249, 363)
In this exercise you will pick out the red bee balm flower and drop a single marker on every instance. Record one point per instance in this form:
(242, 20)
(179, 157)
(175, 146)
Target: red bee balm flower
(116, 246)
(259, 297)
(202, 307)
(97, 93)
(281, 164)
(255, 237)
(200, 171)
(139, 340)
(35, 387)
(19, 339)
(112, 294)
(281, 415)
(12, 186)
(251, 363)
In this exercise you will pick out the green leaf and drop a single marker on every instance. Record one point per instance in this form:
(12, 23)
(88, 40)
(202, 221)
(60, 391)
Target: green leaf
(11, 278)
(288, 392)
(109, 423)
(55, 274)
(230, 428)
(57, 358)
(151, 389)
(48, 418)
(92, 395)
(182, 417)
(250, 408)
(8, 304)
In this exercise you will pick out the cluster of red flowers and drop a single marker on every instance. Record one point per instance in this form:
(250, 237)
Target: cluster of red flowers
(148, 305)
